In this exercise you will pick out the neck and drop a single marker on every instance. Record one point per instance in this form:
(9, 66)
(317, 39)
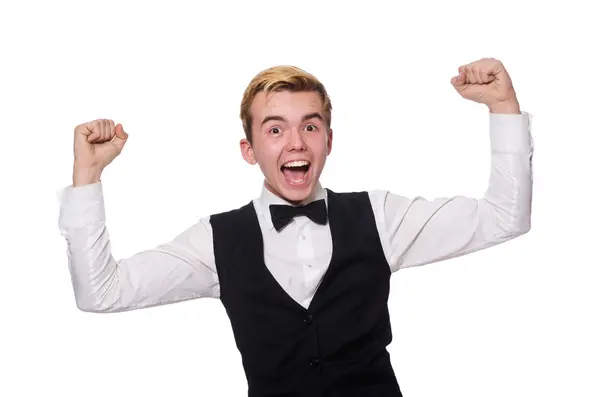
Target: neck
(306, 200)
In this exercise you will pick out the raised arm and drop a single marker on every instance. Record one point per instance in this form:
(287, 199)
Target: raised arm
(178, 270)
(416, 231)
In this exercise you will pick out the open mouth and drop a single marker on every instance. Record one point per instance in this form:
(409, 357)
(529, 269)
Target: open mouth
(296, 172)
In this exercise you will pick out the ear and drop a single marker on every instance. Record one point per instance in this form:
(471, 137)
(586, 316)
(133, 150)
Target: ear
(329, 141)
(247, 151)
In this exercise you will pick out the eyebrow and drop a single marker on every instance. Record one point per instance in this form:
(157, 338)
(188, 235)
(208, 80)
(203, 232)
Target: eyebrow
(309, 116)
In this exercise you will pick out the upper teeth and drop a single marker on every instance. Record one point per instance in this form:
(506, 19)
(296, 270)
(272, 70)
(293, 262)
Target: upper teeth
(298, 163)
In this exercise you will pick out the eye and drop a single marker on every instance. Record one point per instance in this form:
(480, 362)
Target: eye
(275, 130)
(311, 127)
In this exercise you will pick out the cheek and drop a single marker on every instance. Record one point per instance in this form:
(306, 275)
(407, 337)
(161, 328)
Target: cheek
(267, 155)
(319, 146)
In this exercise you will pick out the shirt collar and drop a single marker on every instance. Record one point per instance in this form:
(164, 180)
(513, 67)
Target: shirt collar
(266, 198)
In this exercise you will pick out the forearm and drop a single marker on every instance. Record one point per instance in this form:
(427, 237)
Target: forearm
(82, 224)
(507, 199)
(97, 284)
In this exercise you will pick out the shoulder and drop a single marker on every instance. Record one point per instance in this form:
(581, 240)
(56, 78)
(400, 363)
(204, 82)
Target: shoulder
(357, 195)
(376, 198)
(233, 212)
(233, 215)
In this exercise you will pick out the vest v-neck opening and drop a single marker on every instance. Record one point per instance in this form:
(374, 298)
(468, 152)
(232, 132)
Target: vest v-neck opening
(269, 275)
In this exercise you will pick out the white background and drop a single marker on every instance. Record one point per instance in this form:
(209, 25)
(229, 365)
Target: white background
(520, 319)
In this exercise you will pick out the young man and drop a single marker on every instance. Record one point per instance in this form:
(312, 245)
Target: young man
(303, 272)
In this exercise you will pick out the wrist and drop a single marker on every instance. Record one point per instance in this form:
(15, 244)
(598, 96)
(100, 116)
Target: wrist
(506, 107)
(85, 176)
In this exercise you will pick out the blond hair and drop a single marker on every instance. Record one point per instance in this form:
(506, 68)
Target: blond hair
(280, 78)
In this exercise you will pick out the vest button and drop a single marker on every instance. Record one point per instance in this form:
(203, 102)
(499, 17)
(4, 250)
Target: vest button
(308, 319)
(314, 362)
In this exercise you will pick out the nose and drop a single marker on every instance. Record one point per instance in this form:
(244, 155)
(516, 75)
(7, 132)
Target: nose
(296, 140)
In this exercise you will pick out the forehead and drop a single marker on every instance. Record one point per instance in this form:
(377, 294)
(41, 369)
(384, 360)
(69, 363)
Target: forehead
(285, 103)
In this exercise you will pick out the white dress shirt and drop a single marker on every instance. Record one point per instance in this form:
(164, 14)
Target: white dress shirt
(413, 232)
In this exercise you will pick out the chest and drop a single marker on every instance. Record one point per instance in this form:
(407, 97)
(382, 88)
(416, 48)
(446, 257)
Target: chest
(312, 264)
(298, 257)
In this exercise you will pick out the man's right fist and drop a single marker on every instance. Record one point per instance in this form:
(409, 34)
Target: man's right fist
(96, 144)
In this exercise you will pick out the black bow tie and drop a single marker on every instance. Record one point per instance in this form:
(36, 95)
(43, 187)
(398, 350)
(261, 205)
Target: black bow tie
(281, 215)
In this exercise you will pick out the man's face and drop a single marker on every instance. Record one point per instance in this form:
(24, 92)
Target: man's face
(290, 142)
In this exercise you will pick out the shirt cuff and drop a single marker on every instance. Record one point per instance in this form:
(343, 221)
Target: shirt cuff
(511, 133)
(81, 205)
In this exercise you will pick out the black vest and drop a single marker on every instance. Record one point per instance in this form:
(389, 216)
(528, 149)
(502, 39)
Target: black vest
(336, 347)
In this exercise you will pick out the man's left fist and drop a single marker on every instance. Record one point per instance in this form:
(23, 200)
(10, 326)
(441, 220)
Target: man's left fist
(486, 81)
